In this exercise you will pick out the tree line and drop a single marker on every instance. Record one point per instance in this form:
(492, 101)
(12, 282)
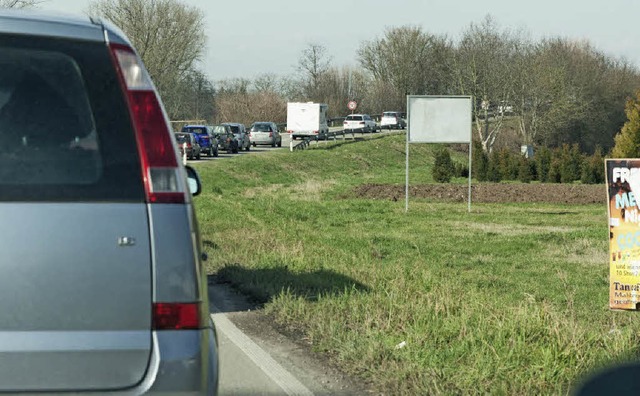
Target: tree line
(557, 90)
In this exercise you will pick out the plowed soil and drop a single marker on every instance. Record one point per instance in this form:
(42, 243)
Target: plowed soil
(491, 193)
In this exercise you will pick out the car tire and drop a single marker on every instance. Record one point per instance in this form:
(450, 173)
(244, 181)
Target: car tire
(216, 153)
(254, 144)
(198, 156)
(280, 143)
(248, 147)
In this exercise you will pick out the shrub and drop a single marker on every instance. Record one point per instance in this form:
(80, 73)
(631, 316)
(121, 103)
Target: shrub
(627, 142)
(493, 168)
(461, 170)
(593, 168)
(554, 170)
(480, 162)
(525, 170)
(568, 161)
(443, 168)
(542, 159)
(508, 163)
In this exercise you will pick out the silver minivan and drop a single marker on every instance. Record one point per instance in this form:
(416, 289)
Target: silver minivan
(102, 287)
(265, 133)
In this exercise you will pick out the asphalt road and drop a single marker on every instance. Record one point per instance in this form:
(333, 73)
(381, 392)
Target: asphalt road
(286, 141)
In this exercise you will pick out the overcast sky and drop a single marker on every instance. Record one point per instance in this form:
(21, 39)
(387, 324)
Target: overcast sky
(251, 37)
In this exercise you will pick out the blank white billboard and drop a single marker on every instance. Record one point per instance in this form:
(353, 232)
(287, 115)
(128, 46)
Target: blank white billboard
(439, 119)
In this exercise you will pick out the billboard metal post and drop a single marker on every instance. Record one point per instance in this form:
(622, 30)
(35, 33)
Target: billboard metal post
(406, 189)
(469, 196)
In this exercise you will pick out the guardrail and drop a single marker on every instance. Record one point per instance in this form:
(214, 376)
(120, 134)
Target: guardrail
(331, 135)
(304, 143)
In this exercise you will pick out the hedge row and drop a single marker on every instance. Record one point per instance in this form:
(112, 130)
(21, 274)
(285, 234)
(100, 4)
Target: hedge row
(565, 164)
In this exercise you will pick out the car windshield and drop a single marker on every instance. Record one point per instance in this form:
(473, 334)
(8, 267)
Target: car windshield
(261, 128)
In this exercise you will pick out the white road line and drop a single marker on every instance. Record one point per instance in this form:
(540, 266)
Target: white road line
(278, 374)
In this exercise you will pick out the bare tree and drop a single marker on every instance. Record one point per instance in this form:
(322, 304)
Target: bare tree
(266, 82)
(412, 61)
(249, 107)
(313, 64)
(168, 35)
(483, 70)
(19, 3)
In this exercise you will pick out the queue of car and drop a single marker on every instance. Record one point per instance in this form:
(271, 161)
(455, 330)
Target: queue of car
(232, 137)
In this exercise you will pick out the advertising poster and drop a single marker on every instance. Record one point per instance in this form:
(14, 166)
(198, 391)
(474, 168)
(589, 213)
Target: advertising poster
(623, 186)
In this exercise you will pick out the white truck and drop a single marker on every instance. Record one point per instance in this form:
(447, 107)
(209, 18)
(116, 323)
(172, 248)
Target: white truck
(307, 120)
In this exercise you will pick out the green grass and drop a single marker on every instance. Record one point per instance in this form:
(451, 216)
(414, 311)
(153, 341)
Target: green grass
(508, 299)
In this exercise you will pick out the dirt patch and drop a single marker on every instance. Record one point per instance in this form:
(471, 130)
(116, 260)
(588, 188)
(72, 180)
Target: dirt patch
(491, 193)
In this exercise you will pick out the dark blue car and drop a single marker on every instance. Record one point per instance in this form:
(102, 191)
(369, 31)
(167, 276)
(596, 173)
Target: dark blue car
(204, 136)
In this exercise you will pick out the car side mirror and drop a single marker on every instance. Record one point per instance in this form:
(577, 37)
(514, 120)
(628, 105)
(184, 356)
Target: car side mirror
(193, 181)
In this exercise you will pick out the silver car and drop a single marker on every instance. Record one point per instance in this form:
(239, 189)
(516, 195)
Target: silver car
(265, 133)
(360, 123)
(102, 287)
(392, 119)
(241, 135)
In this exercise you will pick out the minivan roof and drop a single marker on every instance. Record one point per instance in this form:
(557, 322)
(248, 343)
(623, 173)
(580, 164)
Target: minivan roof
(63, 25)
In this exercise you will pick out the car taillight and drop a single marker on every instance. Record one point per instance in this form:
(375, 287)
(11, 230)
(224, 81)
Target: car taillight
(189, 145)
(270, 134)
(316, 132)
(176, 316)
(161, 174)
(361, 123)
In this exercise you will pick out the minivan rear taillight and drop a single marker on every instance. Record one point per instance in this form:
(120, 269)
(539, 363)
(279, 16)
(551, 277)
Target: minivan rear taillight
(176, 316)
(161, 174)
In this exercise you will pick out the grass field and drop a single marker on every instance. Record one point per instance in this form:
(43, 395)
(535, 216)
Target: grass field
(507, 299)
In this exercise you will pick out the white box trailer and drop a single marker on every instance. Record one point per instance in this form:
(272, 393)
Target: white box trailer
(307, 120)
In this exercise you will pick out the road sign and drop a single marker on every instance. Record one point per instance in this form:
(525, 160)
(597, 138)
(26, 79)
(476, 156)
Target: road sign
(352, 105)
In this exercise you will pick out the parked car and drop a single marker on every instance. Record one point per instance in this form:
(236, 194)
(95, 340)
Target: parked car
(360, 123)
(240, 132)
(112, 299)
(392, 119)
(204, 135)
(226, 139)
(188, 143)
(265, 133)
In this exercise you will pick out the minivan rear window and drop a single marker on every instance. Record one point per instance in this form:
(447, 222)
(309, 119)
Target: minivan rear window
(354, 118)
(65, 131)
(261, 128)
(198, 130)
